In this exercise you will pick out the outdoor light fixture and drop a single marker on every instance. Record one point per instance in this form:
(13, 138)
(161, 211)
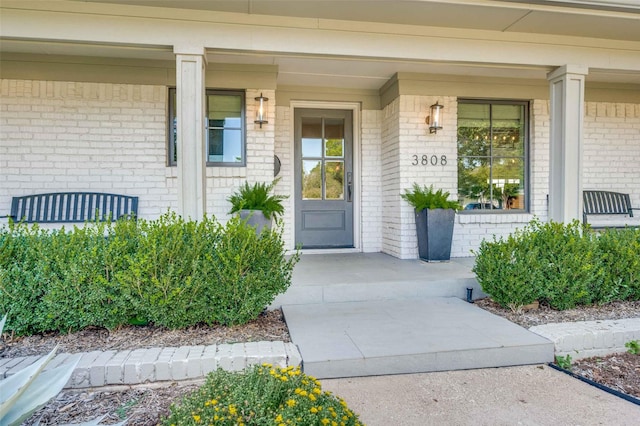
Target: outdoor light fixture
(434, 118)
(261, 110)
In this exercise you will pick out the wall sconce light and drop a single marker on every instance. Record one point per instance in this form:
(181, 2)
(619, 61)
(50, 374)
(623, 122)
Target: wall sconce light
(261, 110)
(434, 119)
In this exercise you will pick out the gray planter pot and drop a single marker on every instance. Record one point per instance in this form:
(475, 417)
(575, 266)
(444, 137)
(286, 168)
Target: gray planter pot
(435, 233)
(256, 219)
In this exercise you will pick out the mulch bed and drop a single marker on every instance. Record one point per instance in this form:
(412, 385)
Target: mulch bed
(620, 372)
(145, 404)
(269, 326)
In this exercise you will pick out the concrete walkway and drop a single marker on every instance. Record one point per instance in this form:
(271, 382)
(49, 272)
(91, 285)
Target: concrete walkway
(408, 336)
(525, 395)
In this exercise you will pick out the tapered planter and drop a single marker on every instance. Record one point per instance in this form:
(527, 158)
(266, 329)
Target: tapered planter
(255, 218)
(435, 233)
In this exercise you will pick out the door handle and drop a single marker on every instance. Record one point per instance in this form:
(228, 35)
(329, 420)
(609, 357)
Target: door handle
(349, 185)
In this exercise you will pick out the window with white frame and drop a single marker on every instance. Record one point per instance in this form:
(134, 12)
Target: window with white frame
(224, 126)
(492, 155)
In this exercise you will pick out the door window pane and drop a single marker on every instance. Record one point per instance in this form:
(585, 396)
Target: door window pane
(312, 137)
(334, 138)
(334, 180)
(311, 147)
(311, 179)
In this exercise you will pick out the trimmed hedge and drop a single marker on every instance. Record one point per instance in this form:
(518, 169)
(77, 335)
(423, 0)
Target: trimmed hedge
(560, 265)
(170, 272)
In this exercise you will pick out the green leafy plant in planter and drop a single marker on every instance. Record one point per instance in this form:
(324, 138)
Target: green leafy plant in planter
(435, 215)
(423, 197)
(256, 203)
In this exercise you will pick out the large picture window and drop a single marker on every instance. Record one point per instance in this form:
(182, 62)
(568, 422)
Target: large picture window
(492, 155)
(224, 126)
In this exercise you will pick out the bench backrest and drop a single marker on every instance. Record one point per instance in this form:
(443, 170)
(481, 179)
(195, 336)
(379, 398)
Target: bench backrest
(72, 207)
(606, 202)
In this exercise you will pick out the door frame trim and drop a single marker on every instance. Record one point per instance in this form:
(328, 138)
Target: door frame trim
(355, 108)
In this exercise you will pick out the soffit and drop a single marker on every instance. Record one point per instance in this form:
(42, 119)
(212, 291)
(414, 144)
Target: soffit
(608, 19)
(362, 72)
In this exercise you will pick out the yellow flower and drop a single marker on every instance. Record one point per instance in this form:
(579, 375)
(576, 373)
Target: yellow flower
(266, 364)
(325, 421)
(284, 378)
(312, 397)
(291, 402)
(297, 391)
(317, 391)
(333, 423)
(303, 393)
(314, 410)
(214, 401)
(232, 410)
(196, 418)
(278, 418)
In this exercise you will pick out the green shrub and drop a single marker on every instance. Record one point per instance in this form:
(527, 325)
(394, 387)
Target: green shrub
(261, 395)
(568, 263)
(162, 277)
(169, 271)
(78, 281)
(23, 267)
(619, 254)
(248, 271)
(508, 270)
(562, 265)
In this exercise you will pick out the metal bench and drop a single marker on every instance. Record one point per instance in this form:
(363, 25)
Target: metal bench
(72, 207)
(606, 203)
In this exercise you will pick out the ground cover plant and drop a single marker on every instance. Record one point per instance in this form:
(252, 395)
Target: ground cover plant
(169, 272)
(560, 265)
(261, 395)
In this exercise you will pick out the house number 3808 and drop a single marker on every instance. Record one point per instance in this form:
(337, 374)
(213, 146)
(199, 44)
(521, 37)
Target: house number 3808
(426, 160)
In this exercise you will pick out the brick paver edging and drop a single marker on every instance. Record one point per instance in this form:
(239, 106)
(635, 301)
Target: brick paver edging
(583, 339)
(137, 366)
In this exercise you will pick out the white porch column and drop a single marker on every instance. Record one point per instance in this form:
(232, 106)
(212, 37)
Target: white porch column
(565, 169)
(190, 111)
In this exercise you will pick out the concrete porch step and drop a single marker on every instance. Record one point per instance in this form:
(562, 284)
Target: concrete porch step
(408, 336)
(356, 277)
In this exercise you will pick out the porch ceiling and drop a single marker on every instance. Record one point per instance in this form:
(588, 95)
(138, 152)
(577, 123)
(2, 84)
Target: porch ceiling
(609, 19)
(596, 19)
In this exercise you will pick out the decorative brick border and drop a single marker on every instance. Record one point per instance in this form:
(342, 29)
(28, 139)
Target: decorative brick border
(139, 366)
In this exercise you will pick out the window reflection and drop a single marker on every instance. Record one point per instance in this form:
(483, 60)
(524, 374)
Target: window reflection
(311, 180)
(491, 155)
(334, 180)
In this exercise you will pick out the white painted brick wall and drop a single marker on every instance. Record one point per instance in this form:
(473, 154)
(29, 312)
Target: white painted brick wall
(612, 148)
(371, 181)
(67, 136)
(284, 151)
(57, 136)
(390, 153)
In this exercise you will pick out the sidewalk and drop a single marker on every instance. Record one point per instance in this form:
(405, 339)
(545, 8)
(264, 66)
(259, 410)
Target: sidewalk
(526, 395)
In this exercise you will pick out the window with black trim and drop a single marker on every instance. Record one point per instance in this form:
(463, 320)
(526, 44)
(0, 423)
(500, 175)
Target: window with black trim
(492, 155)
(224, 126)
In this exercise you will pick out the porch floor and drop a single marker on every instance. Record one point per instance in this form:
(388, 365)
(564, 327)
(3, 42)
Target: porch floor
(372, 314)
